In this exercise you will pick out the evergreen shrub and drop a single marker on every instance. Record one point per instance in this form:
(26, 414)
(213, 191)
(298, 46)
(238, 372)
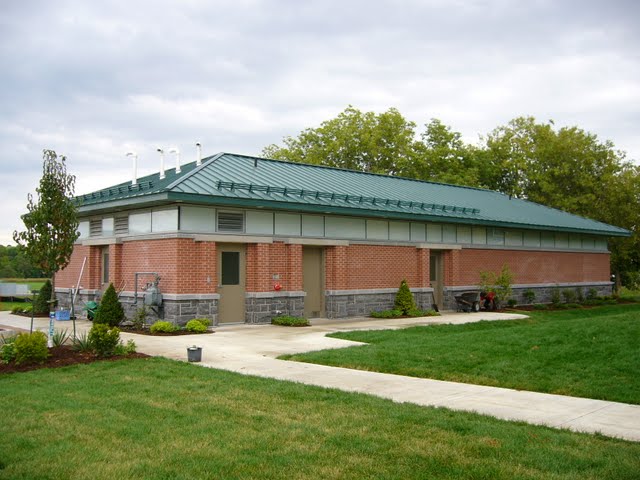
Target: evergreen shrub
(529, 296)
(41, 303)
(110, 311)
(404, 299)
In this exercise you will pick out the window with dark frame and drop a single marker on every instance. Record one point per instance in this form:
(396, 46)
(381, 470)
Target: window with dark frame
(230, 268)
(105, 265)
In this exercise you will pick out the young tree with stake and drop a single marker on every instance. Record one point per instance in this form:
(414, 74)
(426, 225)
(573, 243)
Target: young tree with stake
(51, 221)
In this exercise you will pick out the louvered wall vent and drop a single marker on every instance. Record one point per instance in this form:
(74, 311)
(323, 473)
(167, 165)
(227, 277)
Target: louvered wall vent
(121, 225)
(95, 228)
(230, 222)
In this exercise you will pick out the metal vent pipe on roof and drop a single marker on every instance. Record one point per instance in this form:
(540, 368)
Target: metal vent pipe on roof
(177, 152)
(161, 151)
(199, 154)
(134, 179)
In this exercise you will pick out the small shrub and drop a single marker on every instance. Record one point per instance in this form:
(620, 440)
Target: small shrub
(7, 349)
(41, 303)
(5, 340)
(499, 284)
(387, 314)
(195, 326)
(569, 295)
(162, 326)
(512, 302)
(140, 317)
(60, 337)
(592, 293)
(404, 298)
(17, 309)
(579, 295)
(104, 339)
(555, 297)
(289, 321)
(82, 343)
(205, 321)
(529, 296)
(27, 309)
(110, 311)
(540, 306)
(594, 302)
(31, 348)
(422, 313)
(127, 349)
(8, 352)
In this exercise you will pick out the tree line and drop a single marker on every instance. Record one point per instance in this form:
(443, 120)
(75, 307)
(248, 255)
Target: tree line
(14, 263)
(562, 167)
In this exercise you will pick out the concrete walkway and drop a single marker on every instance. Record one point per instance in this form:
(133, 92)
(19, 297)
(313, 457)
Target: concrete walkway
(251, 349)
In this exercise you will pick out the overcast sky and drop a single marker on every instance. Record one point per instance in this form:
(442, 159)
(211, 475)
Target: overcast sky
(93, 80)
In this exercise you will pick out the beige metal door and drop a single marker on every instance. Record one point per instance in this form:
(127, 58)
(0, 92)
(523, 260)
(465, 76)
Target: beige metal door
(231, 283)
(436, 274)
(313, 281)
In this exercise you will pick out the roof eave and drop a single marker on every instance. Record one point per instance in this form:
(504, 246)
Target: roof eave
(124, 203)
(312, 208)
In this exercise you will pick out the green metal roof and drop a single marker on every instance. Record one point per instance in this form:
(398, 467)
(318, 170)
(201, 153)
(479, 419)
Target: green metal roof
(238, 180)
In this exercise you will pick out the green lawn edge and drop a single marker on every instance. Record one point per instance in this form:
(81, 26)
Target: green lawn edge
(591, 353)
(156, 418)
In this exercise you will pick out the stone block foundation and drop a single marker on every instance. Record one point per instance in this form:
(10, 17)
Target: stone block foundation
(543, 292)
(261, 307)
(349, 303)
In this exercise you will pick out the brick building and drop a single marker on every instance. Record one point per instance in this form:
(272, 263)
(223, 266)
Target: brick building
(240, 239)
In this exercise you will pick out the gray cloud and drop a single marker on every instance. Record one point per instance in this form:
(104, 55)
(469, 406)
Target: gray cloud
(95, 79)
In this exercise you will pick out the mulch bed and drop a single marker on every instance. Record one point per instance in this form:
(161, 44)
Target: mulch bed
(62, 357)
(28, 315)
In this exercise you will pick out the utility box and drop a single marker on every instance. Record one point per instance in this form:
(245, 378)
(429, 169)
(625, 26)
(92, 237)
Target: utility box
(152, 296)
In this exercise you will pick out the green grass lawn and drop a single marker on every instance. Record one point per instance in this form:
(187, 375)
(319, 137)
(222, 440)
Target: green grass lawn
(591, 353)
(160, 419)
(628, 294)
(6, 306)
(34, 283)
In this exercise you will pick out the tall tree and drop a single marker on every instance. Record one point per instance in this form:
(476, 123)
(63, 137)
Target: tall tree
(51, 222)
(377, 143)
(566, 168)
(442, 156)
(572, 170)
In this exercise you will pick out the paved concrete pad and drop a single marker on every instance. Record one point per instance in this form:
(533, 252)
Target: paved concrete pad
(251, 349)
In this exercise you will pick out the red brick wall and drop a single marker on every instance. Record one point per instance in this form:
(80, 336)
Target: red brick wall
(528, 266)
(336, 274)
(264, 260)
(186, 265)
(68, 277)
(375, 266)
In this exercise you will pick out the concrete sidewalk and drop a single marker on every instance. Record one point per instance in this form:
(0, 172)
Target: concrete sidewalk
(251, 349)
